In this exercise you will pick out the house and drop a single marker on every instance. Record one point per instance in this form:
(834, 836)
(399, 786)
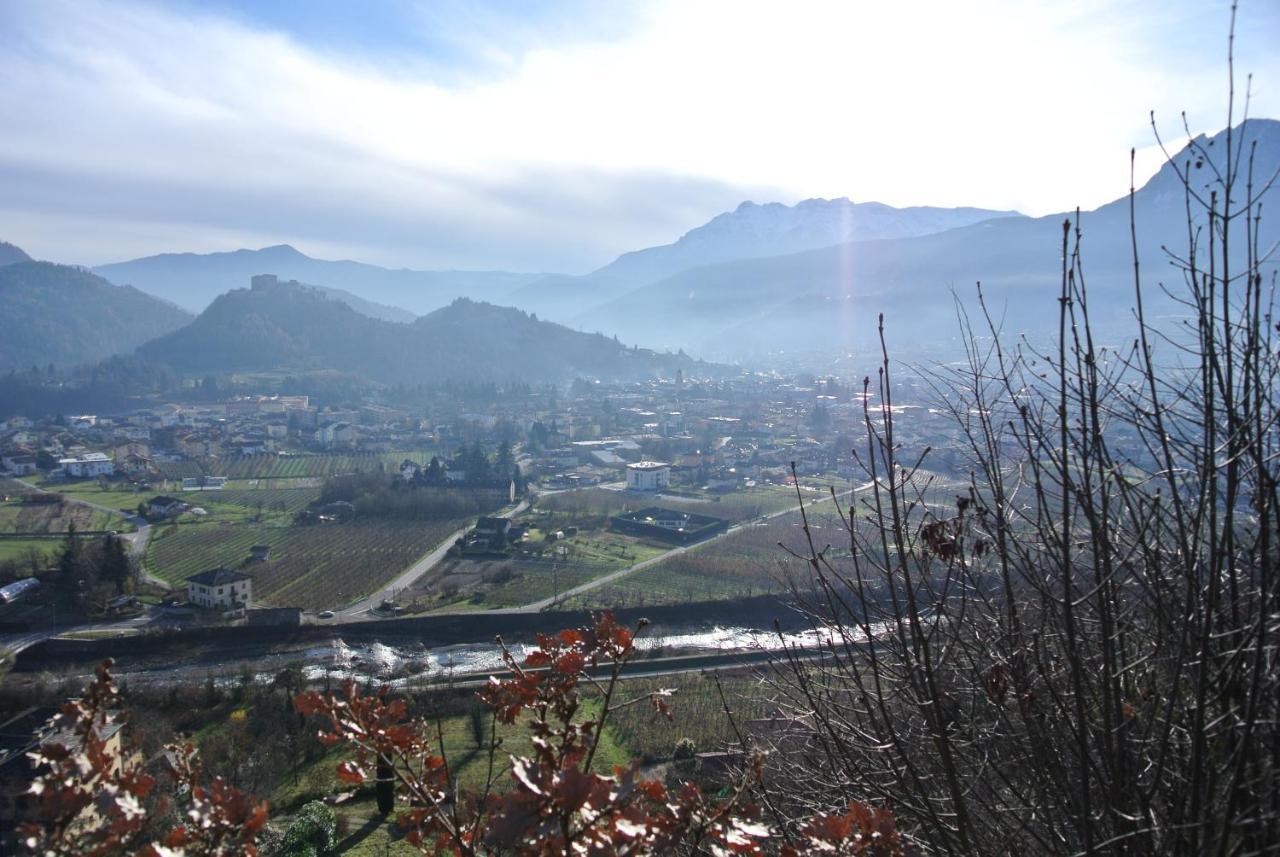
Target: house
(648, 476)
(88, 466)
(220, 589)
(605, 458)
(259, 553)
(335, 434)
(165, 507)
(494, 531)
(19, 463)
(668, 525)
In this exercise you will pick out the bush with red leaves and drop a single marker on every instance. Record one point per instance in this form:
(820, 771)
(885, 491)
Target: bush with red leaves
(557, 802)
(92, 799)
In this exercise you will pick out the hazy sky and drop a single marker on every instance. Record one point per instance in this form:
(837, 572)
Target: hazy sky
(443, 134)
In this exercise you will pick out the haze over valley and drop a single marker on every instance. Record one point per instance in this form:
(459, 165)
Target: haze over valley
(647, 428)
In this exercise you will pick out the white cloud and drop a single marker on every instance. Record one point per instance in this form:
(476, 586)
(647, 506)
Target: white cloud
(133, 117)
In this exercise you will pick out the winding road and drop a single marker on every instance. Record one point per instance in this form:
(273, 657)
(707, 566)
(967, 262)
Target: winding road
(547, 603)
(361, 609)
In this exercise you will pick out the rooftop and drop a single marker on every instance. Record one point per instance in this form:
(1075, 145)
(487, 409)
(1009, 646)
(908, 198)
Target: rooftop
(218, 577)
(648, 465)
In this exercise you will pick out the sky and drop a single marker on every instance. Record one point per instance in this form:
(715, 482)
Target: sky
(554, 136)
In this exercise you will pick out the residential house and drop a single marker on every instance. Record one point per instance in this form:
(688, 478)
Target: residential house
(90, 465)
(220, 589)
(19, 462)
(165, 507)
(648, 476)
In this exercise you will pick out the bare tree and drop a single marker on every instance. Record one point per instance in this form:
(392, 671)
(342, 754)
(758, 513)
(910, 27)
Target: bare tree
(1077, 655)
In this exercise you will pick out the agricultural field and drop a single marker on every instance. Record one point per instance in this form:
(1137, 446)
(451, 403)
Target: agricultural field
(271, 466)
(314, 567)
(44, 518)
(285, 500)
(697, 712)
(113, 495)
(20, 550)
(743, 563)
(546, 569)
(592, 507)
(179, 470)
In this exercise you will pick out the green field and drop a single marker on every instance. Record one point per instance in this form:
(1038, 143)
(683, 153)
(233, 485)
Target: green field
(19, 550)
(114, 496)
(280, 500)
(313, 567)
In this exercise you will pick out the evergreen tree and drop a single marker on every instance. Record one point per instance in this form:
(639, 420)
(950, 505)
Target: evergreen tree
(72, 553)
(116, 567)
(506, 461)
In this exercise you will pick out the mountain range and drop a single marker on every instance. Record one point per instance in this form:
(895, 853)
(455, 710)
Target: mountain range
(760, 284)
(287, 326)
(193, 280)
(750, 231)
(826, 301)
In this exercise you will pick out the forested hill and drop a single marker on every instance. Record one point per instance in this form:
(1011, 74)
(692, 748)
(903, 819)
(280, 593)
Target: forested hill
(293, 327)
(9, 254)
(67, 316)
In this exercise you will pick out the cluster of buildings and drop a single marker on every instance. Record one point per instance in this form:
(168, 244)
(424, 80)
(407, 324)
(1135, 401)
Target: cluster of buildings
(719, 435)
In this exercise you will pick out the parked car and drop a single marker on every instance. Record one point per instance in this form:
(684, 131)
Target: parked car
(325, 614)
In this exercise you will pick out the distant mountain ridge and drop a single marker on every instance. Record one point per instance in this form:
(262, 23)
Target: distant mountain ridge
(193, 280)
(827, 300)
(287, 326)
(67, 316)
(750, 231)
(753, 231)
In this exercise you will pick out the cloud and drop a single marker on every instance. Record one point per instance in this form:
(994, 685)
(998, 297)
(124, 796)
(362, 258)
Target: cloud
(557, 143)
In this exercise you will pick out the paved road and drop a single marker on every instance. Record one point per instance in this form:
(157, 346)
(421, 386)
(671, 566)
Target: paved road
(137, 540)
(410, 576)
(15, 643)
(547, 603)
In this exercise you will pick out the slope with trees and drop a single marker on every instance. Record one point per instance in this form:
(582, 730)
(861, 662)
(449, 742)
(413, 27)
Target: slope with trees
(67, 316)
(296, 327)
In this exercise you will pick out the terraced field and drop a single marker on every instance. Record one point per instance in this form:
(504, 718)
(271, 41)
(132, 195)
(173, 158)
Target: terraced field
(314, 567)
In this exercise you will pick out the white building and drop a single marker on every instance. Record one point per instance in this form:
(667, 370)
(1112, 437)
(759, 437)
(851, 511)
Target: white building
(88, 466)
(220, 589)
(648, 476)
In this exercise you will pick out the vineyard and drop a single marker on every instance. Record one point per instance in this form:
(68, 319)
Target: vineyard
(316, 567)
(289, 500)
(742, 564)
(594, 506)
(272, 466)
(698, 710)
